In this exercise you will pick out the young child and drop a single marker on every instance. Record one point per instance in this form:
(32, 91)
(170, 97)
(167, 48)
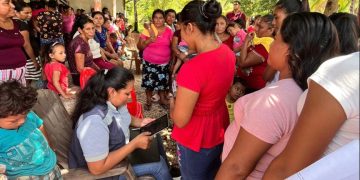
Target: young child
(184, 55)
(236, 91)
(24, 150)
(116, 43)
(236, 29)
(56, 72)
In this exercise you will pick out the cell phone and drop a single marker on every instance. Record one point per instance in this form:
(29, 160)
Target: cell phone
(157, 125)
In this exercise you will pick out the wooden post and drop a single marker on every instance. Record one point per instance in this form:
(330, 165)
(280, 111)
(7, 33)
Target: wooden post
(97, 5)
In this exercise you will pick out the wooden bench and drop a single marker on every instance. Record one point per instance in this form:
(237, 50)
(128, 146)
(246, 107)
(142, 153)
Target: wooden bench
(58, 125)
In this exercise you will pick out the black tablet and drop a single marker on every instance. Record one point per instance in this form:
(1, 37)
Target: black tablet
(157, 125)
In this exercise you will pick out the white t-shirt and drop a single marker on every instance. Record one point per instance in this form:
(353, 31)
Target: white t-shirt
(94, 46)
(340, 77)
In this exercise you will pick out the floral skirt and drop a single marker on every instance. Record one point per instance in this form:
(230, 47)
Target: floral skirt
(155, 76)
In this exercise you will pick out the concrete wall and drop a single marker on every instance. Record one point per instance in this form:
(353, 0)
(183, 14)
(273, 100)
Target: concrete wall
(113, 5)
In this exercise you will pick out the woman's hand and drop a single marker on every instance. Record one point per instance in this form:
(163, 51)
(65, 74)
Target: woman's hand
(143, 140)
(146, 121)
(249, 37)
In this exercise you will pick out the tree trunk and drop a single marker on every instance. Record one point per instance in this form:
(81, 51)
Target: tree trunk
(352, 9)
(136, 17)
(331, 7)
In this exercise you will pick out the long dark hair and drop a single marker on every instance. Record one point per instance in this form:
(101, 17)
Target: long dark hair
(348, 30)
(20, 5)
(95, 90)
(203, 14)
(80, 23)
(293, 6)
(312, 39)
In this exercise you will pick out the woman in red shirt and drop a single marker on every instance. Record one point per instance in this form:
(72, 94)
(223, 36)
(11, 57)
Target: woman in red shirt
(254, 53)
(199, 113)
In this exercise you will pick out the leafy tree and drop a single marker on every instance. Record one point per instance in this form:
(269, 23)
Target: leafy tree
(250, 7)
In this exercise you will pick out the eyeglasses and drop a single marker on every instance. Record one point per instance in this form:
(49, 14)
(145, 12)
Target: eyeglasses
(236, 4)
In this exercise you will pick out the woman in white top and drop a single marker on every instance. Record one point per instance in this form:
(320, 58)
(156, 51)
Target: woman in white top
(329, 118)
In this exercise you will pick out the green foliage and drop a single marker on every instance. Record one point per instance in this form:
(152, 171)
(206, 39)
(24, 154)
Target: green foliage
(344, 5)
(250, 7)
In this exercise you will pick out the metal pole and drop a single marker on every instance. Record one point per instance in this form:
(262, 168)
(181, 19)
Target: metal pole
(135, 16)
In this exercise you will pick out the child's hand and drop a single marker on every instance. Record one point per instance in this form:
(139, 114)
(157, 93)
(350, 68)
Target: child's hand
(143, 140)
(68, 96)
(36, 65)
(250, 37)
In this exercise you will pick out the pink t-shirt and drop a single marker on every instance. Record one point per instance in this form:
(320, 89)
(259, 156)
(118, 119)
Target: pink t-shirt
(270, 115)
(210, 74)
(158, 52)
(64, 72)
(239, 39)
(68, 22)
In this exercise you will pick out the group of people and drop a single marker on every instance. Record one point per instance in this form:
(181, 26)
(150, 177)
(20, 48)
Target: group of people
(256, 101)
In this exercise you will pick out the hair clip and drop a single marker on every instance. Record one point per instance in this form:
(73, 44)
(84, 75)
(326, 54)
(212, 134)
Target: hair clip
(202, 12)
(105, 71)
(55, 43)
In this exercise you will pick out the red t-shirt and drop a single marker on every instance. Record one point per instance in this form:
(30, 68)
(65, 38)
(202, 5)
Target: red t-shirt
(210, 74)
(229, 42)
(64, 72)
(231, 16)
(253, 76)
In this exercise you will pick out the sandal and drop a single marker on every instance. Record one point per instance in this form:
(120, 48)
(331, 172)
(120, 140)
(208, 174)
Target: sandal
(147, 106)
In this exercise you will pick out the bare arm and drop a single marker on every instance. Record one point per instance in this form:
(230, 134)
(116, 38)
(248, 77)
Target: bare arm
(174, 45)
(79, 61)
(243, 157)
(248, 59)
(36, 25)
(103, 56)
(56, 83)
(320, 119)
(108, 44)
(182, 110)
(28, 49)
(176, 67)
(143, 43)
(43, 131)
(141, 141)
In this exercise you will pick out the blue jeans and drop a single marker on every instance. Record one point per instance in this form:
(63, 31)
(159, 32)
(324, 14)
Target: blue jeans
(201, 165)
(159, 170)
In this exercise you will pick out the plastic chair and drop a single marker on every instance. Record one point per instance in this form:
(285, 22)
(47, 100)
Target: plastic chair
(135, 107)
(85, 75)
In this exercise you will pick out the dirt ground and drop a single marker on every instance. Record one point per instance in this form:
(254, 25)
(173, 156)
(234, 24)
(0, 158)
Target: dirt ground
(155, 112)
